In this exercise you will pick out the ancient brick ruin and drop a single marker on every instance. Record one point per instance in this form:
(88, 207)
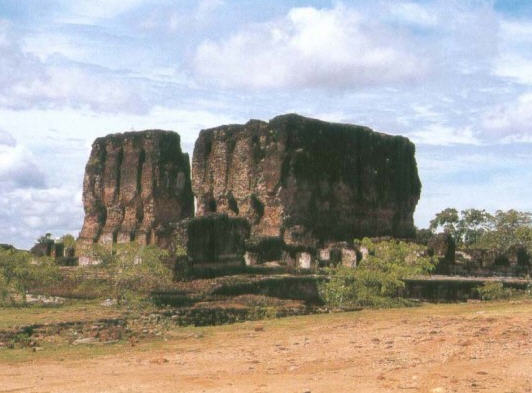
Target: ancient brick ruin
(303, 185)
(135, 184)
(306, 181)
(215, 238)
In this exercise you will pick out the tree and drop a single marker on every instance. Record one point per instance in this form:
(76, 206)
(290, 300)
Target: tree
(134, 271)
(378, 281)
(511, 220)
(68, 241)
(447, 219)
(45, 239)
(509, 229)
(505, 232)
(472, 225)
(18, 274)
(43, 246)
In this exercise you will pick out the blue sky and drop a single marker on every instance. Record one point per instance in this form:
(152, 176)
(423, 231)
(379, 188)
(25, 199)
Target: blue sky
(455, 76)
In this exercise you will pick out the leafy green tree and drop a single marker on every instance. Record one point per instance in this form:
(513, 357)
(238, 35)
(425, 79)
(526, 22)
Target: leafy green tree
(19, 273)
(378, 280)
(509, 229)
(68, 241)
(508, 223)
(473, 224)
(134, 271)
(448, 220)
(474, 227)
(502, 232)
(43, 246)
(45, 239)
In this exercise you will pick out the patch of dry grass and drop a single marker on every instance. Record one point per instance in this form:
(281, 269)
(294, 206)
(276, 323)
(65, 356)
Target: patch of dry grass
(11, 317)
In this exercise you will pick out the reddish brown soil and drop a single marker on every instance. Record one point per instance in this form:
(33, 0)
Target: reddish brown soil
(435, 349)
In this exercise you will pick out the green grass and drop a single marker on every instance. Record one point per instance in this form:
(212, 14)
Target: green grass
(64, 351)
(11, 317)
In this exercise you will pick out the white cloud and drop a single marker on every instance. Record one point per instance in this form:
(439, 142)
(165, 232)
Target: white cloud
(47, 44)
(427, 112)
(18, 168)
(30, 213)
(207, 7)
(172, 18)
(511, 122)
(443, 135)
(76, 87)
(101, 91)
(515, 46)
(7, 139)
(515, 66)
(88, 11)
(516, 31)
(414, 13)
(26, 82)
(309, 47)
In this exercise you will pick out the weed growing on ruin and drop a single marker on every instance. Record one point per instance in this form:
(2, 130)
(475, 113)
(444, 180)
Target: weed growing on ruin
(378, 279)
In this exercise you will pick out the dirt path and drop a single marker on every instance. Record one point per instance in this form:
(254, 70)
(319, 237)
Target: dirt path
(456, 348)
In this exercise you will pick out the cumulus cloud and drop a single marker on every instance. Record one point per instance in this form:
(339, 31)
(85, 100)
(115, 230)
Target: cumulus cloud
(316, 48)
(207, 7)
(511, 122)
(517, 31)
(26, 82)
(514, 60)
(171, 17)
(444, 135)
(7, 139)
(78, 86)
(87, 11)
(31, 213)
(414, 13)
(18, 169)
(516, 66)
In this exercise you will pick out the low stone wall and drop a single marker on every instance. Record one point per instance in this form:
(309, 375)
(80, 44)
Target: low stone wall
(290, 287)
(449, 288)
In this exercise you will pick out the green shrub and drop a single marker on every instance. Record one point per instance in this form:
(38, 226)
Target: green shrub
(494, 291)
(378, 279)
(134, 271)
(183, 265)
(19, 273)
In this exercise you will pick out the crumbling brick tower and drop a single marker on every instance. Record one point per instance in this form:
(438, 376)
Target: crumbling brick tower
(136, 184)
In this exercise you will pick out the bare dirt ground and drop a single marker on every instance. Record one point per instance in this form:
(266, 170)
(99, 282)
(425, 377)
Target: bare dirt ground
(436, 348)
